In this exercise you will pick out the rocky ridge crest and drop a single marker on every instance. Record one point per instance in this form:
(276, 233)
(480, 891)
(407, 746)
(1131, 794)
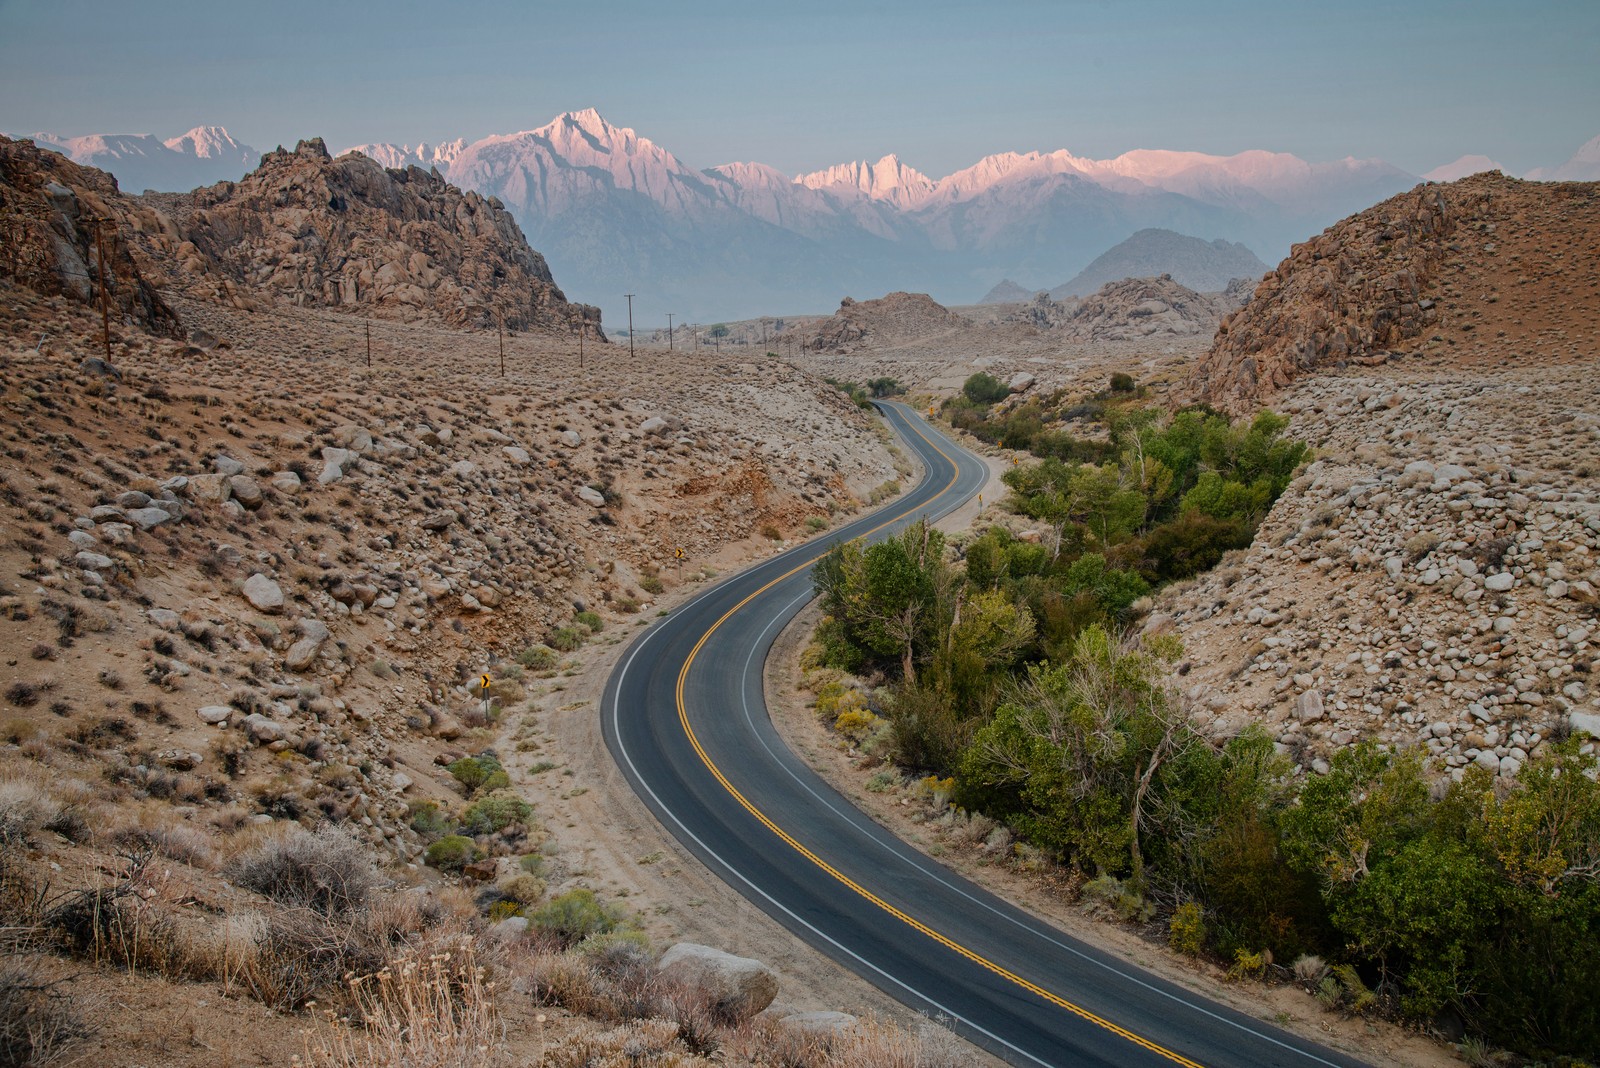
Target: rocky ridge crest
(1395, 279)
(345, 233)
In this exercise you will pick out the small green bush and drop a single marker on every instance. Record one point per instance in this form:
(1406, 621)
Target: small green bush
(538, 658)
(651, 584)
(816, 523)
(567, 639)
(480, 774)
(452, 853)
(1122, 382)
(494, 813)
(576, 915)
(591, 620)
(429, 820)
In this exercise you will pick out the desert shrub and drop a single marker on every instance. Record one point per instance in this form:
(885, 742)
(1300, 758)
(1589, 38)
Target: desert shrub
(651, 584)
(525, 889)
(1122, 382)
(576, 915)
(816, 523)
(429, 820)
(494, 813)
(984, 388)
(480, 774)
(591, 620)
(855, 724)
(538, 658)
(452, 853)
(567, 639)
(326, 871)
(771, 532)
(1248, 965)
(1187, 933)
(1309, 968)
(25, 806)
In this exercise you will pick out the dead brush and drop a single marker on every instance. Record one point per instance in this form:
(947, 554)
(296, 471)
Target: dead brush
(421, 1010)
(39, 1025)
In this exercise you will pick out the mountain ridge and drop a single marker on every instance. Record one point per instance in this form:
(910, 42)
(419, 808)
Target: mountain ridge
(615, 212)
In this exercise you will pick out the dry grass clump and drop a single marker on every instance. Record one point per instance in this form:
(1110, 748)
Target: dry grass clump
(326, 871)
(26, 805)
(421, 1010)
(39, 1024)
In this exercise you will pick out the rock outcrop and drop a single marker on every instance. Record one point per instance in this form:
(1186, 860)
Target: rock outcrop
(1136, 308)
(345, 233)
(1395, 278)
(889, 320)
(48, 211)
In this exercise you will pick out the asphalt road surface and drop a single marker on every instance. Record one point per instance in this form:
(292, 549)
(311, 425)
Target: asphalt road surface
(684, 716)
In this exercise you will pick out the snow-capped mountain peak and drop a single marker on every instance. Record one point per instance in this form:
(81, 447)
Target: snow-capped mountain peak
(888, 179)
(207, 142)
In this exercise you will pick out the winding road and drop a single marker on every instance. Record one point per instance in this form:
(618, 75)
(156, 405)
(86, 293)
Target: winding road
(684, 716)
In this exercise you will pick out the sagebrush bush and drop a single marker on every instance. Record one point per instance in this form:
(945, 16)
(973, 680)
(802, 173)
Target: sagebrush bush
(568, 639)
(495, 812)
(326, 871)
(538, 658)
(452, 853)
(480, 774)
(576, 915)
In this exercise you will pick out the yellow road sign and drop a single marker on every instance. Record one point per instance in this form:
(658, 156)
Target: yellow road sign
(678, 552)
(484, 682)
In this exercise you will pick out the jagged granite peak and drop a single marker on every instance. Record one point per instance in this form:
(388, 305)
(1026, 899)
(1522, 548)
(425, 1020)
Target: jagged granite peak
(1584, 166)
(48, 208)
(888, 180)
(1428, 270)
(1204, 266)
(349, 234)
(422, 154)
(1461, 168)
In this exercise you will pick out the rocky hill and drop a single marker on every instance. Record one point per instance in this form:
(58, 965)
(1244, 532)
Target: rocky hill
(1006, 292)
(1204, 266)
(345, 233)
(48, 211)
(1135, 308)
(887, 321)
(1486, 266)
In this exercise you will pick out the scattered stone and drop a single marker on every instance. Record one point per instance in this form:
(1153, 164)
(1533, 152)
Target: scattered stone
(440, 520)
(215, 714)
(263, 594)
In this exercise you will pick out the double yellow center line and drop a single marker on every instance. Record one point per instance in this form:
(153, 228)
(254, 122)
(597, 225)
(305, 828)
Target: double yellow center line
(897, 913)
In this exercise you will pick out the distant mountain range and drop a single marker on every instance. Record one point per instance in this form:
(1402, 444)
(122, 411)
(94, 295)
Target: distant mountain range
(615, 213)
(203, 156)
(1203, 266)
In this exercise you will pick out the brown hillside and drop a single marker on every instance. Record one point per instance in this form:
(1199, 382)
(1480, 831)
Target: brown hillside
(347, 234)
(1488, 267)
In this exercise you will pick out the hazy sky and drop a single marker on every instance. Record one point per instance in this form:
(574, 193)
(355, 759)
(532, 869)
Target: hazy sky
(807, 83)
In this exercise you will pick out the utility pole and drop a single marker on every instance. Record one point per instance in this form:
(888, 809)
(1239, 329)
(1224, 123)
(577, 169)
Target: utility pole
(105, 294)
(502, 348)
(763, 334)
(580, 341)
(369, 343)
(630, 324)
(696, 329)
(669, 331)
